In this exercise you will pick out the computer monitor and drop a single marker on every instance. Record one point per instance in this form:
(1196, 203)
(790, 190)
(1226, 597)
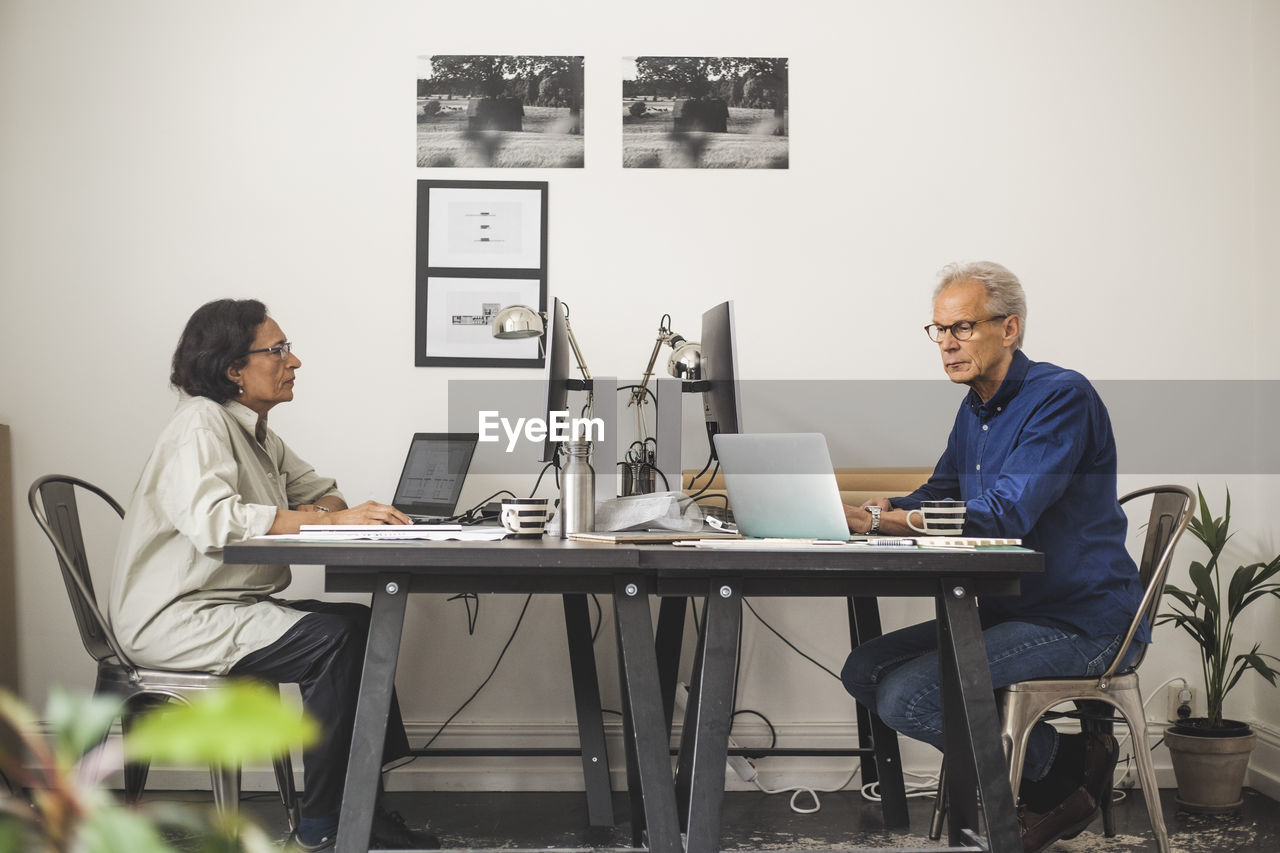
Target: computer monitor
(720, 400)
(555, 373)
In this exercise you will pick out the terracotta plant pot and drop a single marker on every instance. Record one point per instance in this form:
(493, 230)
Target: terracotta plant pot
(1210, 768)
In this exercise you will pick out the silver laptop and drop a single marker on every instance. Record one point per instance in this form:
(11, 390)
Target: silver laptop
(434, 472)
(782, 485)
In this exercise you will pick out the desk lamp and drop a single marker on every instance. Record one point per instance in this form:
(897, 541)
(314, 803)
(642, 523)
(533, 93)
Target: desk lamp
(578, 483)
(685, 361)
(685, 364)
(520, 321)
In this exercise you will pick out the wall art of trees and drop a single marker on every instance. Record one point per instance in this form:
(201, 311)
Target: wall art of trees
(705, 112)
(500, 110)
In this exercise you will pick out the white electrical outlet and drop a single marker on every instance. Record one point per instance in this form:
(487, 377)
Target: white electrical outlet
(1181, 695)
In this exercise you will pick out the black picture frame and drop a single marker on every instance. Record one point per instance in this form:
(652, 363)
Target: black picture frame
(481, 245)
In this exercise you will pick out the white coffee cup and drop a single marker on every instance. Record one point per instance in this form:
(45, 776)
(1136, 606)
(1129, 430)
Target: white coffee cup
(939, 518)
(525, 517)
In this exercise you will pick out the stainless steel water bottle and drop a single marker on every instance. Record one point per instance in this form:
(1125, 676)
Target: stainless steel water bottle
(577, 489)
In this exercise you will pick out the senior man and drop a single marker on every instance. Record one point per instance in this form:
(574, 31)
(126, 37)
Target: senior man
(1032, 456)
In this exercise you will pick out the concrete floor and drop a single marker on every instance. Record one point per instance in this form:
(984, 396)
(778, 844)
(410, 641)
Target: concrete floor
(756, 821)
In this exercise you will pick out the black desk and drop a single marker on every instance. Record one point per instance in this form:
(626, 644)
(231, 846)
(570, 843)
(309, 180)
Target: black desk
(661, 807)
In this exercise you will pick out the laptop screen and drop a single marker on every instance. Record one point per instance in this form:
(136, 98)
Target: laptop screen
(434, 473)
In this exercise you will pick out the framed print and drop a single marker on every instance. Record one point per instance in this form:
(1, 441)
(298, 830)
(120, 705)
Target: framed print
(484, 224)
(482, 245)
(457, 320)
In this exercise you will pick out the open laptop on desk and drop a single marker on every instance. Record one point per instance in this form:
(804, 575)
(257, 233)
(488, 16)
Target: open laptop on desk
(782, 486)
(783, 489)
(434, 472)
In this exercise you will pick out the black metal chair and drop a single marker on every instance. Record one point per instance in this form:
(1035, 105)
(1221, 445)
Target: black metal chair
(1024, 703)
(53, 503)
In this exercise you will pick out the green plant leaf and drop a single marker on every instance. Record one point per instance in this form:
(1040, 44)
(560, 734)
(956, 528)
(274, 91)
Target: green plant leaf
(13, 835)
(1193, 625)
(114, 829)
(1272, 569)
(242, 722)
(1238, 668)
(1259, 663)
(1205, 590)
(16, 717)
(1260, 593)
(1210, 641)
(78, 722)
(1212, 532)
(1241, 582)
(1188, 599)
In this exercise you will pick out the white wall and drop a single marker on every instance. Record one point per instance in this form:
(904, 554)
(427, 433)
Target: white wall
(1118, 157)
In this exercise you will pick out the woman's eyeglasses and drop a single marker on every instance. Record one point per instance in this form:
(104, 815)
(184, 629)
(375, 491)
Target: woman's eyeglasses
(281, 350)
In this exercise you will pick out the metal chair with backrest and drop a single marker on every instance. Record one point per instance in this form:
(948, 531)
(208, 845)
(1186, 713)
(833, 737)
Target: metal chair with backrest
(53, 503)
(1027, 702)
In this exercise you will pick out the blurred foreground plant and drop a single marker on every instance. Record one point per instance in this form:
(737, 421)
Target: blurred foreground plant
(58, 802)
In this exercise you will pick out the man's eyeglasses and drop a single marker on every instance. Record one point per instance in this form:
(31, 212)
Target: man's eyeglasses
(282, 350)
(961, 331)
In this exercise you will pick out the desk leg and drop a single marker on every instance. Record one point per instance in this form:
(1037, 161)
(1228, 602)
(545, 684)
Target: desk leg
(586, 697)
(653, 801)
(672, 610)
(704, 739)
(376, 682)
(971, 729)
(864, 624)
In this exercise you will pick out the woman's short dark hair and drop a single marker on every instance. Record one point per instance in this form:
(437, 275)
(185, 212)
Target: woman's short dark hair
(217, 337)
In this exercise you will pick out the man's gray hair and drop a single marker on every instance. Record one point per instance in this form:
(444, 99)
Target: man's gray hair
(1004, 291)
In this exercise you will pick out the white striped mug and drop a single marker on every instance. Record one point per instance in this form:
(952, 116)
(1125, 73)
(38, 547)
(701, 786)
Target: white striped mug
(939, 518)
(525, 517)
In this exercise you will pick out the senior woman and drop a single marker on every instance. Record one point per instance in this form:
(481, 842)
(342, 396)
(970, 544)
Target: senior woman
(217, 475)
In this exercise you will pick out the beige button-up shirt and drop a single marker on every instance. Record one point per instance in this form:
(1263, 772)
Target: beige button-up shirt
(210, 481)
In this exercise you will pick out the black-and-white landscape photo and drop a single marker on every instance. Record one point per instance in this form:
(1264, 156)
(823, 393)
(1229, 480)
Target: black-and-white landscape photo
(505, 111)
(704, 112)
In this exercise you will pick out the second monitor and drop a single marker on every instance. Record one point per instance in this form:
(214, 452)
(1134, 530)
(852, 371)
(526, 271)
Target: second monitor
(719, 370)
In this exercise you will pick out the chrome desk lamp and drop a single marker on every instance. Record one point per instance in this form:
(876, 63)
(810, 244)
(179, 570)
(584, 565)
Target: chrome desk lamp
(520, 321)
(685, 361)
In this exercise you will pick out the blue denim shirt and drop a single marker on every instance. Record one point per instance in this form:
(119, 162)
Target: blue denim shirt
(1038, 462)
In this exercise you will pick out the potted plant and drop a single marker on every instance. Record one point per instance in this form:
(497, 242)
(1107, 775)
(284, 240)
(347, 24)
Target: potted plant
(1211, 754)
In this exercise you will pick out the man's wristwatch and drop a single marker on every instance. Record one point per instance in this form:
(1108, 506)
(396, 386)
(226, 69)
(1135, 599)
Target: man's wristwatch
(875, 518)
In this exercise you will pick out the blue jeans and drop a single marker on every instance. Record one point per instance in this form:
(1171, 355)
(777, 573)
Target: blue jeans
(896, 676)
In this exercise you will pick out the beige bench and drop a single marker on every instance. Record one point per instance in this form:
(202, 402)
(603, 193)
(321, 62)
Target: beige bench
(857, 485)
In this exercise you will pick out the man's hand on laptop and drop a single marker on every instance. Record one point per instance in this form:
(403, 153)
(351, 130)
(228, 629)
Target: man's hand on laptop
(859, 517)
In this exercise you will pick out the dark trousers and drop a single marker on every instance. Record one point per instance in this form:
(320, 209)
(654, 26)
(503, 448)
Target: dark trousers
(324, 653)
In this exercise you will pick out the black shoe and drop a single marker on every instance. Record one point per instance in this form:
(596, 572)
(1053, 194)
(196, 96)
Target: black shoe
(297, 845)
(1066, 820)
(392, 833)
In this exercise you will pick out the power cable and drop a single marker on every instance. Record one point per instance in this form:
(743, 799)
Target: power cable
(792, 645)
(487, 678)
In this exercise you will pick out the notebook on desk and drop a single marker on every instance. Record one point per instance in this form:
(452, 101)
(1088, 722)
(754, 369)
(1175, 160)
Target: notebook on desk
(648, 537)
(434, 473)
(782, 486)
(392, 533)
